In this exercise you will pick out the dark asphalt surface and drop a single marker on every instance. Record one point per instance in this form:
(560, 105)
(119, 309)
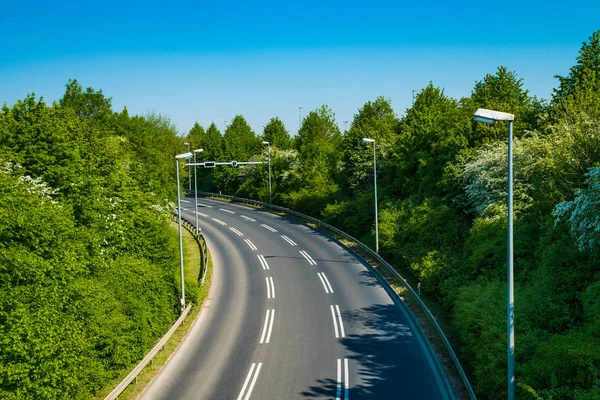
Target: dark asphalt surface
(223, 357)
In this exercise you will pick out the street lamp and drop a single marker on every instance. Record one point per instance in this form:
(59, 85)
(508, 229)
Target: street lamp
(299, 117)
(269, 153)
(345, 122)
(177, 158)
(367, 140)
(189, 169)
(489, 117)
(196, 187)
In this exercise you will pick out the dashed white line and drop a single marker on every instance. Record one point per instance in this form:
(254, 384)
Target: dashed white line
(268, 327)
(268, 227)
(249, 243)
(185, 201)
(287, 239)
(270, 288)
(241, 396)
(263, 262)
(204, 205)
(202, 214)
(339, 379)
(337, 317)
(227, 211)
(218, 221)
(247, 218)
(325, 282)
(236, 231)
(308, 257)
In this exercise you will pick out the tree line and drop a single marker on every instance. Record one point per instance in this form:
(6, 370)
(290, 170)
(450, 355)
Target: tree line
(442, 184)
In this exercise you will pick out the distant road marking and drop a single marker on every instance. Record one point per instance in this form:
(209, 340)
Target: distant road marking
(218, 221)
(241, 396)
(268, 327)
(268, 227)
(204, 205)
(335, 312)
(287, 239)
(202, 214)
(249, 243)
(325, 282)
(263, 262)
(247, 218)
(339, 379)
(227, 211)
(270, 288)
(236, 231)
(308, 258)
(185, 201)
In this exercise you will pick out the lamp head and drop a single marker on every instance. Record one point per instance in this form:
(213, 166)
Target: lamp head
(183, 155)
(264, 142)
(368, 140)
(490, 116)
(198, 150)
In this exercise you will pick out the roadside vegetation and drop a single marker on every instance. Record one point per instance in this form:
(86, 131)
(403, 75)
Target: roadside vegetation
(442, 211)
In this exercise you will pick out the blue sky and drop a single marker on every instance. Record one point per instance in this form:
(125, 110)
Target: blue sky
(200, 61)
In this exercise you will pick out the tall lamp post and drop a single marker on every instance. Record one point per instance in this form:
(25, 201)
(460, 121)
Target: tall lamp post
(196, 187)
(269, 153)
(299, 118)
(489, 117)
(177, 158)
(367, 140)
(189, 169)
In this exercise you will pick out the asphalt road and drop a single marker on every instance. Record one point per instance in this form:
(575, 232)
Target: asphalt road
(292, 315)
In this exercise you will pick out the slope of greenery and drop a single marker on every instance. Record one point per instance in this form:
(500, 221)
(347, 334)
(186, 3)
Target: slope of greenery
(87, 260)
(442, 207)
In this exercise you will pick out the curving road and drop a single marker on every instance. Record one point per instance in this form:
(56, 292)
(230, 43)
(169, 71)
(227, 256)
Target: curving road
(291, 315)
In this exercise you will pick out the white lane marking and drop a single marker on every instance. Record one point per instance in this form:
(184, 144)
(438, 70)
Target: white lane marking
(247, 218)
(246, 381)
(218, 221)
(268, 227)
(339, 314)
(287, 239)
(263, 262)
(268, 327)
(249, 243)
(308, 258)
(268, 288)
(185, 201)
(227, 211)
(325, 282)
(272, 287)
(236, 231)
(202, 214)
(204, 205)
(339, 379)
(253, 382)
(346, 384)
(337, 335)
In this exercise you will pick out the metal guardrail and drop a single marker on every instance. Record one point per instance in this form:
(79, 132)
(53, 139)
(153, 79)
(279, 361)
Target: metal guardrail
(416, 297)
(161, 344)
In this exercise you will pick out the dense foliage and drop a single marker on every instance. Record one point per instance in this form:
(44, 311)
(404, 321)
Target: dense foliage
(88, 264)
(442, 212)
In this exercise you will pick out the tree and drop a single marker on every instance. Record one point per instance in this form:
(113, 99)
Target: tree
(276, 134)
(86, 104)
(195, 136)
(585, 73)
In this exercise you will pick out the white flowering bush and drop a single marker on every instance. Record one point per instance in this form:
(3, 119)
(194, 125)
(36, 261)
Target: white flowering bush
(583, 213)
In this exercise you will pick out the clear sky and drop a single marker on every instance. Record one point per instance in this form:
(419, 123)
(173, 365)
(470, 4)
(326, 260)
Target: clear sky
(208, 61)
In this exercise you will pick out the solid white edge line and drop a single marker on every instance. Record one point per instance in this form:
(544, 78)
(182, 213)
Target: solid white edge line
(268, 289)
(327, 280)
(343, 334)
(270, 326)
(262, 337)
(323, 282)
(272, 287)
(346, 385)
(334, 322)
(246, 382)
(253, 382)
(339, 379)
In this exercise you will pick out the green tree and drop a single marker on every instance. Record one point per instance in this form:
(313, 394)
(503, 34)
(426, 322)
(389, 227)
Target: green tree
(276, 134)
(88, 104)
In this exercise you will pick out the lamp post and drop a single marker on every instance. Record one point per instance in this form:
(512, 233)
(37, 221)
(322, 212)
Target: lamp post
(196, 187)
(177, 158)
(299, 118)
(345, 122)
(367, 140)
(189, 169)
(269, 153)
(489, 117)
